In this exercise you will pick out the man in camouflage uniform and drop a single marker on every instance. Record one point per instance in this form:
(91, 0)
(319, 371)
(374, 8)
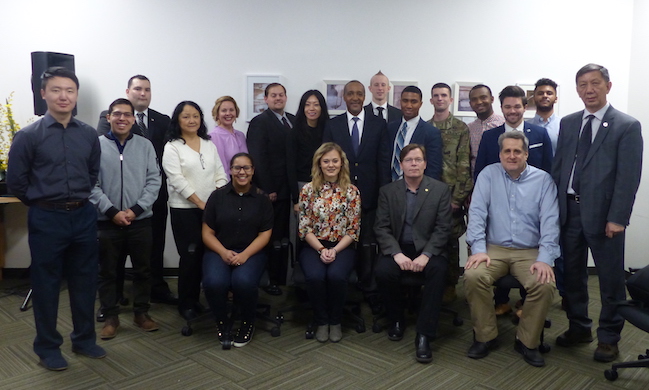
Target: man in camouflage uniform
(456, 172)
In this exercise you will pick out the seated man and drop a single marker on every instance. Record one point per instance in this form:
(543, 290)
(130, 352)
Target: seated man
(413, 225)
(513, 228)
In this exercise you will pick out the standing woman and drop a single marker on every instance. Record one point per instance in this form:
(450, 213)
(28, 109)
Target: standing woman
(194, 170)
(237, 225)
(330, 209)
(228, 141)
(310, 121)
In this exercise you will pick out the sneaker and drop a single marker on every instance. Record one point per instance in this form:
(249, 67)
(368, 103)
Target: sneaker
(109, 331)
(244, 334)
(94, 352)
(54, 363)
(144, 322)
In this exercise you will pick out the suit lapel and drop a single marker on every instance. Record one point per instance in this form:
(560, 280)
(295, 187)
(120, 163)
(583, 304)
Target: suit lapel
(422, 194)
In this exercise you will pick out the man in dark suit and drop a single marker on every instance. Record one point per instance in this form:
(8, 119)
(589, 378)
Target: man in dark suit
(270, 146)
(413, 225)
(152, 125)
(513, 103)
(412, 129)
(362, 137)
(597, 171)
(380, 88)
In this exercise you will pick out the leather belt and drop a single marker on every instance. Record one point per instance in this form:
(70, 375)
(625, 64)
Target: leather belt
(573, 197)
(66, 206)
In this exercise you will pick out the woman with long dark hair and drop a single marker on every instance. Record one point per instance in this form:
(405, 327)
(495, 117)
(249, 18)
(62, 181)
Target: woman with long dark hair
(310, 120)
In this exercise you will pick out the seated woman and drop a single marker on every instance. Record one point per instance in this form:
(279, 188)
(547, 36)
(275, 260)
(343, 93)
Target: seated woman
(228, 141)
(237, 224)
(330, 209)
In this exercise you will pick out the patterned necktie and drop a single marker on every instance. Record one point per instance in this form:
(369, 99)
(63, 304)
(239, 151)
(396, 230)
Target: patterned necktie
(583, 147)
(398, 145)
(380, 110)
(356, 141)
(140, 123)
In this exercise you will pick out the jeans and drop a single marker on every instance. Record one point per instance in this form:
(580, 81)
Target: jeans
(187, 225)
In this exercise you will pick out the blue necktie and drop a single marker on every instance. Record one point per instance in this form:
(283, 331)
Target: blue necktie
(398, 145)
(355, 138)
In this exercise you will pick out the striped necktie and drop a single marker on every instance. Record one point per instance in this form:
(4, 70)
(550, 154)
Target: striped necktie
(398, 145)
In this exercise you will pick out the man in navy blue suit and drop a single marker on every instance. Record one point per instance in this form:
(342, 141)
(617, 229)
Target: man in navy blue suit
(411, 129)
(513, 103)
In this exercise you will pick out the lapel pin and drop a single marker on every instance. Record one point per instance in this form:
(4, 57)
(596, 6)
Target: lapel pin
(605, 124)
(426, 190)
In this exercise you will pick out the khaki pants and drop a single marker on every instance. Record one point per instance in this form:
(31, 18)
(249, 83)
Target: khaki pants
(478, 286)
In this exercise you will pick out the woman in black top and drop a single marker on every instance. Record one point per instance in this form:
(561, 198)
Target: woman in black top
(237, 225)
(310, 120)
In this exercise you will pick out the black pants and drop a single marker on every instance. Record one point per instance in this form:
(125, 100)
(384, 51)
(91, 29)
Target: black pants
(187, 225)
(159, 232)
(278, 260)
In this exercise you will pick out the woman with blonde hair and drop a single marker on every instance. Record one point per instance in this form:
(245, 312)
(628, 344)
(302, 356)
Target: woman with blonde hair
(329, 223)
(228, 141)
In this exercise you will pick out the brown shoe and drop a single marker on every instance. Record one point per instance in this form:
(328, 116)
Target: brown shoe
(109, 331)
(145, 322)
(503, 308)
(449, 295)
(606, 352)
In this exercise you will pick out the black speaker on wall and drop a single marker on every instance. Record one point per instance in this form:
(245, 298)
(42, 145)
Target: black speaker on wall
(41, 60)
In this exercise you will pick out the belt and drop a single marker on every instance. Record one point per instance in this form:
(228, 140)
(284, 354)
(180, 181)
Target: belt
(67, 206)
(573, 197)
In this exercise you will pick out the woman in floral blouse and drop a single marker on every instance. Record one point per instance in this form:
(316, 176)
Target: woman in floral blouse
(330, 208)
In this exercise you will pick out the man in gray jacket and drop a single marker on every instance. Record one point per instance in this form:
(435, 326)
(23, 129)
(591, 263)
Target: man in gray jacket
(128, 185)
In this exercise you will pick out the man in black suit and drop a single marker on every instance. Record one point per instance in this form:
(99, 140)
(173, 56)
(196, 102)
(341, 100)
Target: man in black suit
(154, 126)
(269, 144)
(380, 88)
(362, 137)
(413, 225)
(597, 170)
(412, 129)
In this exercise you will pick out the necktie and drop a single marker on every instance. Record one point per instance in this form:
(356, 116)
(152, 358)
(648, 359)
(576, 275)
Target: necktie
(380, 110)
(140, 123)
(582, 151)
(356, 141)
(398, 145)
(285, 122)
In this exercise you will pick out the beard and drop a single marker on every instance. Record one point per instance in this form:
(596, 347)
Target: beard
(544, 108)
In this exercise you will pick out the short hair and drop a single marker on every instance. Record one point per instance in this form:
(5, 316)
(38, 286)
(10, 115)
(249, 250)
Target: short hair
(512, 91)
(300, 117)
(353, 81)
(514, 135)
(120, 101)
(139, 77)
(242, 154)
(545, 81)
(410, 147)
(58, 71)
(478, 86)
(591, 68)
(441, 85)
(413, 89)
(273, 85)
(316, 173)
(219, 102)
(175, 132)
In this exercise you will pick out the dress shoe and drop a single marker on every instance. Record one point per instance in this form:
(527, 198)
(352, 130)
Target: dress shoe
(322, 333)
(109, 330)
(167, 298)
(572, 337)
(54, 363)
(244, 334)
(532, 356)
(144, 322)
(335, 333)
(101, 317)
(502, 308)
(272, 289)
(606, 352)
(450, 295)
(188, 314)
(423, 353)
(94, 352)
(478, 350)
(395, 333)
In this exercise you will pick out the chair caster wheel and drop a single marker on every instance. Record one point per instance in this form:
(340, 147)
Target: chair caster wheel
(360, 328)
(376, 328)
(457, 321)
(309, 335)
(611, 375)
(280, 317)
(544, 348)
(275, 332)
(227, 344)
(187, 330)
(547, 324)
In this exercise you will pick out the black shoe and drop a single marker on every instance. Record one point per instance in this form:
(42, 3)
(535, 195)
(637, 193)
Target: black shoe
(572, 337)
(244, 334)
(532, 356)
(101, 317)
(220, 331)
(395, 333)
(166, 298)
(479, 350)
(606, 352)
(422, 349)
(272, 289)
(188, 314)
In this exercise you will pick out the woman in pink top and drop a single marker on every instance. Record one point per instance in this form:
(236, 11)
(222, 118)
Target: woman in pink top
(228, 141)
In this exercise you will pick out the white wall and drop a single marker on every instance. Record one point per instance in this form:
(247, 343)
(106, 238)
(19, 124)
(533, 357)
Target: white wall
(203, 49)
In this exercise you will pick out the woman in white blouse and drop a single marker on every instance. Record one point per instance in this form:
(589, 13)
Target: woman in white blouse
(194, 170)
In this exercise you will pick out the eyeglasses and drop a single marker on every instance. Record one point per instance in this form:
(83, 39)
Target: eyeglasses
(417, 160)
(117, 114)
(238, 168)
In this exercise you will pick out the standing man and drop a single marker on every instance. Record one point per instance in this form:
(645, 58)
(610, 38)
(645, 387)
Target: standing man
(597, 170)
(53, 166)
(481, 101)
(270, 144)
(380, 88)
(456, 173)
(128, 185)
(545, 96)
(152, 125)
(413, 224)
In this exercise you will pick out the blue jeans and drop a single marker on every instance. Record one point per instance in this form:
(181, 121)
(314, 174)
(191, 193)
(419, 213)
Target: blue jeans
(326, 284)
(243, 281)
(63, 244)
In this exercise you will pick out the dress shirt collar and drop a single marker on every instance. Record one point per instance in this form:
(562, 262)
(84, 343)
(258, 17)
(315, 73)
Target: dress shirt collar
(412, 123)
(520, 127)
(523, 175)
(251, 192)
(49, 120)
(599, 114)
(539, 120)
(146, 114)
(361, 116)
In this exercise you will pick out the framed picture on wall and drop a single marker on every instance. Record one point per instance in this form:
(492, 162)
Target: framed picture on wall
(255, 90)
(530, 111)
(395, 93)
(334, 95)
(461, 106)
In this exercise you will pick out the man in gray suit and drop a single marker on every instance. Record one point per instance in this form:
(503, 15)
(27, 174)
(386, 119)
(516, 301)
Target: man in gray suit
(597, 170)
(413, 225)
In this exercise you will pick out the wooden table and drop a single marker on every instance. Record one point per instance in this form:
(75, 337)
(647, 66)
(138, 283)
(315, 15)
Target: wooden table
(4, 200)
